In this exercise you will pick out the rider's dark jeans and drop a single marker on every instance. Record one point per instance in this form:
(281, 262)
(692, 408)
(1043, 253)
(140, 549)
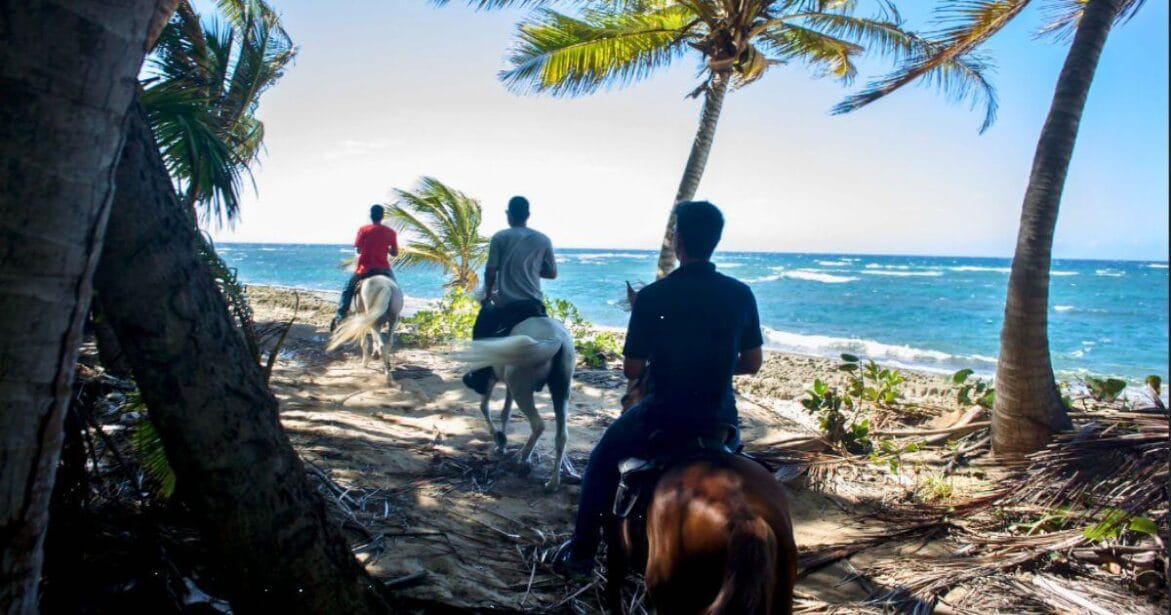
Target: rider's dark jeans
(343, 304)
(626, 437)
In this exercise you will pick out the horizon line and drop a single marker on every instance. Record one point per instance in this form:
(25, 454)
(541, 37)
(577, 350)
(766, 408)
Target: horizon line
(652, 251)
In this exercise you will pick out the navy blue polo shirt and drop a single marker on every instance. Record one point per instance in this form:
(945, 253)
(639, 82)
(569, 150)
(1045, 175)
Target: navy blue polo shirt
(692, 326)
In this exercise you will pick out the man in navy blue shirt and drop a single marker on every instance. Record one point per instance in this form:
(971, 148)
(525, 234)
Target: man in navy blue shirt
(696, 328)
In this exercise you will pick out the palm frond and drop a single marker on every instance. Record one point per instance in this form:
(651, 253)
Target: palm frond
(566, 56)
(442, 228)
(947, 58)
(829, 55)
(1062, 17)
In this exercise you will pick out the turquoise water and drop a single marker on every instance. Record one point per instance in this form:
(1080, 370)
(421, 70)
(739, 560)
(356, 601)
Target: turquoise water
(1108, 318)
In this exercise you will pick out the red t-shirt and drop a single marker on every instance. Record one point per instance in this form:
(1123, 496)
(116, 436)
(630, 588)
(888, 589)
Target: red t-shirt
(373, 242)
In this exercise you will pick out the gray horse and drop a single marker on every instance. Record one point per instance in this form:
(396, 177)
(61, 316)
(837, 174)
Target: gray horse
(538, 352)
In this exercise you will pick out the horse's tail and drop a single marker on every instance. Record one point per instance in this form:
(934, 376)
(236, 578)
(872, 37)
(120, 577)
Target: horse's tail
(354, 327)
(512, 350)
(750, 568)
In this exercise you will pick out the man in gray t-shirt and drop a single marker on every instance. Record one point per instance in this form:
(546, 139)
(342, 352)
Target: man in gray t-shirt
(518, 257)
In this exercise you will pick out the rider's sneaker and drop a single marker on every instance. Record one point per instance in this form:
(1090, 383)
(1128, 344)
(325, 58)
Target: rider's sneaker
(579, 570)
(477, 380)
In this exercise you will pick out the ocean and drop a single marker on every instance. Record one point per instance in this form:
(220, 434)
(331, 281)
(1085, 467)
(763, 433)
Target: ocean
(933, 313)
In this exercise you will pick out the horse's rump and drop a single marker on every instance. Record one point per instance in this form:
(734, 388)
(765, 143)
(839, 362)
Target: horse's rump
(718, 539)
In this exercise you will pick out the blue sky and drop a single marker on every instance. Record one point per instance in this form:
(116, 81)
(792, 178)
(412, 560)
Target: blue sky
(383, 92)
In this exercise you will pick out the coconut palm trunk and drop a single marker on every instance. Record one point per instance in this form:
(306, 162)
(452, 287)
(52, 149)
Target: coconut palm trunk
(1028, 407)
(713, 102)
(266, 524)
(66, 79)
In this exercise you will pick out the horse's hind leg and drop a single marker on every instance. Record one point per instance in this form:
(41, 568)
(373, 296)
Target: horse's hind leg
(560, 395)
(524, 400)
(497, 435)
(506, 412)
(364, 343)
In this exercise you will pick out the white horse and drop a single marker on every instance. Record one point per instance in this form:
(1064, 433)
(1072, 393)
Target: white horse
(378, 301)
(538, 352)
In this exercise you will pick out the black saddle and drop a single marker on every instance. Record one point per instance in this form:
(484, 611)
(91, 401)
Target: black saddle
(667, 449)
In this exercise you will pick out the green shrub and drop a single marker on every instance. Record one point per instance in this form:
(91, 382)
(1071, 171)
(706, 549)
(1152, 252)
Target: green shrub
(450, 320)
(843, 432)
(978, 392)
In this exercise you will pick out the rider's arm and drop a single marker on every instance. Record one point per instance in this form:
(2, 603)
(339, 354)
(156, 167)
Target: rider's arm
(489, 282)
(749, 361)
(549, 264)
(633, 368)
(393, 245)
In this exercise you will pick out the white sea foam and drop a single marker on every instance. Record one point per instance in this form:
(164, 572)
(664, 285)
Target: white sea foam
(1110, 273)
(1157, 265)
(1062, 308)
(989, 269)
(1063, 273)
(728, 265)
(886, 354)
(838, 263)
(609, 255)
(808, 275)
(906, 274)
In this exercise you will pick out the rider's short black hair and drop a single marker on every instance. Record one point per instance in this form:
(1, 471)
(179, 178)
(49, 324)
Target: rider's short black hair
(376, 213)
(518, 208)
(698, 225)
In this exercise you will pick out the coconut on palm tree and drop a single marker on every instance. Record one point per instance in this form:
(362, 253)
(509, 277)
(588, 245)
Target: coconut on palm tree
(615, 43)
(443, 227)
(1028, 408)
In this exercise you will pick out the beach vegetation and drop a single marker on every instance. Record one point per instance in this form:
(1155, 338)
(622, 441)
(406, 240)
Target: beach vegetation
(869, 382)
(450, 320)
(838, 418)
(613, 44)
(974, 392)
(1104, 389)
(442, 228)
(1029, 408)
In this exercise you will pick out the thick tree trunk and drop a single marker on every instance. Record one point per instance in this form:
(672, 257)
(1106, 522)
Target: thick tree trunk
(67, 72)
(713, 102)
(208, 400)
(1028, 407)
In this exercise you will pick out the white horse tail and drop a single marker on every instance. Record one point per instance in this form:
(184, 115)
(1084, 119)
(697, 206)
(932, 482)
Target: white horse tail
(354, 327)
(519, 350)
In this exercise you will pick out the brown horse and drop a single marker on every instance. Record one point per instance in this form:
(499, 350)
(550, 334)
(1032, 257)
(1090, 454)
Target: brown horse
(716, 538)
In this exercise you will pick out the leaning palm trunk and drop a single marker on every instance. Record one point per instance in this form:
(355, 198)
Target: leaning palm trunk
(713, 102)
(66, 78)
(208, 401)
(1028, 407)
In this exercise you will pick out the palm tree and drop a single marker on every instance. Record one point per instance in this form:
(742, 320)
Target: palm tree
(203, 87)
(67, 70)
(445, 225)
(617, 43)
(1028, 407)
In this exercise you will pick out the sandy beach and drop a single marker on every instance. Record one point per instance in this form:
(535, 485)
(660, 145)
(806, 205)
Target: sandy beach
(412, 466)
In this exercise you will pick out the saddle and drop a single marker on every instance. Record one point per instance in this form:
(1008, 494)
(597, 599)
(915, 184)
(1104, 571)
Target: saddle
(638, 475)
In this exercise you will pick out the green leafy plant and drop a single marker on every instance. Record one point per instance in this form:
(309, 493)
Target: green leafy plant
(1105, 389)
(870, 382)
(451, 320)
(596, 350)
(1115, 520)
(891, 452)
(978, 392)
(842, 431)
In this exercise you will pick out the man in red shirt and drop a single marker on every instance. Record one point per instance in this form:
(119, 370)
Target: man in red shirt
(373, 243)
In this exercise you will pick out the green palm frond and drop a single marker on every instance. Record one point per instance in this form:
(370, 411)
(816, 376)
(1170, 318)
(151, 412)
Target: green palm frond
(443, 228)
(828, 54)
(566, 56)
(947, 58)
(205, 78)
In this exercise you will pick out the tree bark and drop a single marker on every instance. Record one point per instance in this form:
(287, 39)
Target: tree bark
(713, 102)
(207, 398)
(67, 74)
(1028, 409)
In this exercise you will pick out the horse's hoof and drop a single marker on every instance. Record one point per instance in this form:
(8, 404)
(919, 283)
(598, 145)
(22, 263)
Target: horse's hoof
(524, 468)
(552, 486)
(501, 441)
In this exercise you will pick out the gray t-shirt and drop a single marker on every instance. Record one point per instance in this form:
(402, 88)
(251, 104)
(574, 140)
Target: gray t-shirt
(520, 255)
